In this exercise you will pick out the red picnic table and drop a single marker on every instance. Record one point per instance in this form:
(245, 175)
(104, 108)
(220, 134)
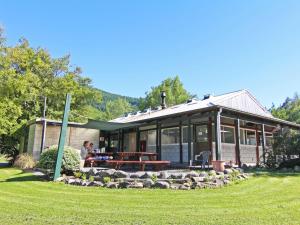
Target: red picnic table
(126, 158)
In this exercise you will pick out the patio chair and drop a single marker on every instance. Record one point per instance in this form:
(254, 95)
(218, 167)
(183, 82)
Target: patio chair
(203, 158)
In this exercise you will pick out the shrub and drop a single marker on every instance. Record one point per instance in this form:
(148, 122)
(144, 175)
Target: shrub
(70, 162)
(106, 180)
(25, 161)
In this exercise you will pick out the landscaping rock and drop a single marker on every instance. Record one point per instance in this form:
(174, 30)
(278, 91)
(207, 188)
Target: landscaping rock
(148, 183)
(164, 175)
(197, 185)
(176, 176)
(84, 183)
(92, 172)
(124, 184)
(297, 168)
(112, 185)
(162, 185)
(72, 181)
(136, 185)
(98, 178)
(228, 171)
(121, 174)
(226, 182)
(220, 173)
(147, 175)
(192, 174)
(175, 186)
(179, 181)
(203, 174)
(95, 184)
(86, 170)
(198, 179)
(184, 187)
(107, 173)
(137, 175)
(60, 179)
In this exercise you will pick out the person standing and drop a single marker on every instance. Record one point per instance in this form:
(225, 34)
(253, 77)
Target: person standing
(83, 152)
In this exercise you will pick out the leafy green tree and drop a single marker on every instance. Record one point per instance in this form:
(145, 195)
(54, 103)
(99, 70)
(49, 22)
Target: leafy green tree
(175, 91)
(28, 74)
(117, 108)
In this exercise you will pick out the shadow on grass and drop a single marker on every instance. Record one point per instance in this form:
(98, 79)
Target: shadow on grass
(276, 174)
(25, 176)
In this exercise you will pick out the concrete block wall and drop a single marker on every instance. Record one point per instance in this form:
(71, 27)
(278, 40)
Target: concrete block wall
(74, 138)
(248, 154)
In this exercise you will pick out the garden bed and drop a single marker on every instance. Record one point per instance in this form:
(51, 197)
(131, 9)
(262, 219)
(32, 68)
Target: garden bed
(177, 180)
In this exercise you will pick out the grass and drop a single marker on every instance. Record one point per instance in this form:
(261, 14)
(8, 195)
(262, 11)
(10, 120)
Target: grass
(2, 158)
(265, 199)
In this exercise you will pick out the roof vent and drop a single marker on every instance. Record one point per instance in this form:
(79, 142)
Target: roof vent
(191, 100)
(207, 96)
(163, 96)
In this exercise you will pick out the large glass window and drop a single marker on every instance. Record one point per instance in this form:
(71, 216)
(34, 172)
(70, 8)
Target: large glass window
(185, 134)
(148, 138)
(250, 137)
(170, 136)
(227, 134)
(201, 133)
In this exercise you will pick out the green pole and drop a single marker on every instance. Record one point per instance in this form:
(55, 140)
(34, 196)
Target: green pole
(62, 138)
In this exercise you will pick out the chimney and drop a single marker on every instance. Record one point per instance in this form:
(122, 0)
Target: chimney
(163, 96)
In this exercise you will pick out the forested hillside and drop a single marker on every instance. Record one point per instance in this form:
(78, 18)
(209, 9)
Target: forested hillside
(288, 110)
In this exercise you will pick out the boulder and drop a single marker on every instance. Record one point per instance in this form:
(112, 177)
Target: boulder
(137, 175)
(175, 186)
(124, 184)
(162, 185)
(72, 181)
(93, 172)
(136, 185)
(60, 179)
(220, 173)
(112, 185)
(176, 176)
(179, 181)
(297, 168)
(197, 185)
(226, 182)
(148, 183)
(183, 187)
(198, 179)
(228, 171)
(164, 175)
(121, 174)
(98, 178)
(107, 173)
(87, 170)
(95, 184)
(147, 175)
(192, 174)
(84, 183)
(203, 174)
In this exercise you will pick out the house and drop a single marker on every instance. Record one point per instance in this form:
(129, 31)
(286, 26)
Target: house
(235, 127)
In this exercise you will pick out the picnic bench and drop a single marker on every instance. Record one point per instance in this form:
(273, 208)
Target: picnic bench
(127, 158)
(158, 165)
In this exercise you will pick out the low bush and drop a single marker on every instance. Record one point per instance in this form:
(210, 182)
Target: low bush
(70, 162)
(25, 161)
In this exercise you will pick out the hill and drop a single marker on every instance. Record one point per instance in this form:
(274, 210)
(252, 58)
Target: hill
(107, 96)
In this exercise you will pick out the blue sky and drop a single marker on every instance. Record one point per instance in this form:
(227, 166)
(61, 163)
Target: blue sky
(128, 46)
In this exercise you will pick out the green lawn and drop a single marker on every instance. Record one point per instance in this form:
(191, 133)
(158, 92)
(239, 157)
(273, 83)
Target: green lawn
(266, 199)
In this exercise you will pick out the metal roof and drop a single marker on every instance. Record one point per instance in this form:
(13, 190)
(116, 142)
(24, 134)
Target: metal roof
(241, 101)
